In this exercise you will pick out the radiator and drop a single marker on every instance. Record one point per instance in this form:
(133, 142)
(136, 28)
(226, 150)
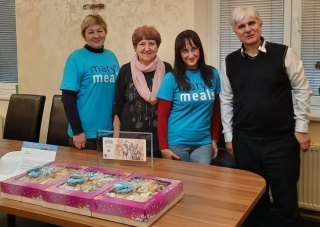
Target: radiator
(309, 182)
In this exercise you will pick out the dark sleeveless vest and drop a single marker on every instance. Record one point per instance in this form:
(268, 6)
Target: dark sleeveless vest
(262, 99)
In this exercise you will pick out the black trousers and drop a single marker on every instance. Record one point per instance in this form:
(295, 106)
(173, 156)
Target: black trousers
(277, 160)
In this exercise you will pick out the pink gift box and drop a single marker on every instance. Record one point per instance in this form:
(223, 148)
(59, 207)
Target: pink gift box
(29, 189)
(76, 198)
(141, 206)
(11, 189)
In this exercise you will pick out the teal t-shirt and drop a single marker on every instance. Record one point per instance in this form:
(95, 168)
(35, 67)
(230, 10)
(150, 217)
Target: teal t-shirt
(189, 121)
(93, 76)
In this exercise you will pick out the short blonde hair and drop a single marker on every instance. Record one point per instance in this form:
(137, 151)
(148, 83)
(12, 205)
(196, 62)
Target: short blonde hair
(239, 13)
(92, 19)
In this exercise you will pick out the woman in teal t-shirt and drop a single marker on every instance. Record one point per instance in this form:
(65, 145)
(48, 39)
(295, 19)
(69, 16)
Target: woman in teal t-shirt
(88, 85)
(189, 107)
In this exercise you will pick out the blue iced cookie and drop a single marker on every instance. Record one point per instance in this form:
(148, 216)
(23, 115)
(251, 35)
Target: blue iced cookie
(73, 181)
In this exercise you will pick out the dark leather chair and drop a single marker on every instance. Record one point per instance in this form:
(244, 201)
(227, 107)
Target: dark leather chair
(223, 158)
(24, 117)
(58, 123)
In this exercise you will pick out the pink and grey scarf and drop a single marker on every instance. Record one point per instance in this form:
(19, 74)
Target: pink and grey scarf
(137, 70)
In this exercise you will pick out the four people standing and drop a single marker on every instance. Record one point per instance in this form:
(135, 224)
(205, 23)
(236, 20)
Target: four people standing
(262, 128)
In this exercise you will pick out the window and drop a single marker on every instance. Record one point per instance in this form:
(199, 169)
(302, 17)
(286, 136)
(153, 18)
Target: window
(8, 49)
(271, 12)
(293, 22)
(310, 41)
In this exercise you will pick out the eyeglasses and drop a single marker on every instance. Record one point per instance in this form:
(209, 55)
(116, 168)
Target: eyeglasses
(194, 50)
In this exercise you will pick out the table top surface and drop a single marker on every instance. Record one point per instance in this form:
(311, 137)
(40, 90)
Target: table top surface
(213, 196)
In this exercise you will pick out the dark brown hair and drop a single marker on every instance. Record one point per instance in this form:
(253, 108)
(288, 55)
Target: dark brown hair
(179, 69)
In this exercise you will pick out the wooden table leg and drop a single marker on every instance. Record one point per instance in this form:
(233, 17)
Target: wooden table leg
(11, 220)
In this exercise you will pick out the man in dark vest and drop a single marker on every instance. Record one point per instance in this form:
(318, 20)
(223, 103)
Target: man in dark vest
(263, 128)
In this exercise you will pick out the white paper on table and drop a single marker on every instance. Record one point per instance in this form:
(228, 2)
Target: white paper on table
(8, 165)
(35, 154)
(31, 155)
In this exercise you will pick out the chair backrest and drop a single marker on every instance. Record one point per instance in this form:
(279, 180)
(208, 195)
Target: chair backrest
(24, 117)
(58, 123)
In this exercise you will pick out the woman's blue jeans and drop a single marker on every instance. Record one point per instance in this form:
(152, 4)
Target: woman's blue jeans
(199, 154)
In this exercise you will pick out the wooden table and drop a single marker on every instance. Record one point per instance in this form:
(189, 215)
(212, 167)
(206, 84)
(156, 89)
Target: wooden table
(213, 196)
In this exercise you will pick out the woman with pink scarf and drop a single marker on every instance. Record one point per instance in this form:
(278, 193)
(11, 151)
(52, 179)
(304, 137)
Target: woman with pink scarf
(136, 104)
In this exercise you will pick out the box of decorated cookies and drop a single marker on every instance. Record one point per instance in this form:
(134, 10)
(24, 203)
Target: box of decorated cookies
(75, 192)
(138, 200)
(28, 186)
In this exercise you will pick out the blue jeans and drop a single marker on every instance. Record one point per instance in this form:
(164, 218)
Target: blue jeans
(199, 154)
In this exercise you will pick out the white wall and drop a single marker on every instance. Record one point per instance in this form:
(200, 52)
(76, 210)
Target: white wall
(48, 31)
